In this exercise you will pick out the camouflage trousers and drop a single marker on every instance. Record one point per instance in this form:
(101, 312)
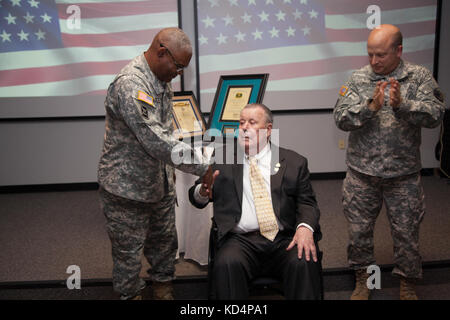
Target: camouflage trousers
(363, 197)
(135, 228)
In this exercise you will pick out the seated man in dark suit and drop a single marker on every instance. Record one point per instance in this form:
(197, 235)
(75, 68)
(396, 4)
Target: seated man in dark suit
(259, 237)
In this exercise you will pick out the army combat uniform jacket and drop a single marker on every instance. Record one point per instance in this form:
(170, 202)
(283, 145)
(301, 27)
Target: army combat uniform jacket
(386, 143)
(136, 162)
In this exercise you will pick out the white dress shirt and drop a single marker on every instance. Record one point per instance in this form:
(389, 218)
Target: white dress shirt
(249, 220)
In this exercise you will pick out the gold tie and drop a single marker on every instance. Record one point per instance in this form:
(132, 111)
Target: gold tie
(268, 226)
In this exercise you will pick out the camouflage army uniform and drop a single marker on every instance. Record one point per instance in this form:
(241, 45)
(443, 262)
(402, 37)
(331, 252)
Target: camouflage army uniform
(136, 176)
(383, 157)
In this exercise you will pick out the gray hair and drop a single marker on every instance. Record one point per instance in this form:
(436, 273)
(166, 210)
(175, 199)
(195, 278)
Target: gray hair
(179, 39)
(173, 37)
(267, 112)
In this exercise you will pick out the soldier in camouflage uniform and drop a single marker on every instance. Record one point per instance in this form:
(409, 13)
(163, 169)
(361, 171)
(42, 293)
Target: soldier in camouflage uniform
(384, 105)
(136, 171)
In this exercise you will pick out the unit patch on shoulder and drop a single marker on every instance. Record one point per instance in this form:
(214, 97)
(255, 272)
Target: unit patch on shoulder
(144, 111)
(343, 91)
(142, 96)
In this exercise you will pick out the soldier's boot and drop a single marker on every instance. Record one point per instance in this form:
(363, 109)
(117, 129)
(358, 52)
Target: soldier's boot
(162, 290)
(136, 297)
(407, 289)
(361, 291)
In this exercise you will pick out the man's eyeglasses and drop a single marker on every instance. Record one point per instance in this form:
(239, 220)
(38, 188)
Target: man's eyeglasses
(179, 66)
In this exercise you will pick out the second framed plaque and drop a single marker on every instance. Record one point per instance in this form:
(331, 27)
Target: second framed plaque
(187, 119)
(233, 93)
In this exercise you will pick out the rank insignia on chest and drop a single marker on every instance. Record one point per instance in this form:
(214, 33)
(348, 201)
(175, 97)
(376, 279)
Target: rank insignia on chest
(142, 96)
(343, 91)
(144, 112)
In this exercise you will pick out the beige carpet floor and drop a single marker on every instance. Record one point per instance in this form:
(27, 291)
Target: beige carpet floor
(42, 233)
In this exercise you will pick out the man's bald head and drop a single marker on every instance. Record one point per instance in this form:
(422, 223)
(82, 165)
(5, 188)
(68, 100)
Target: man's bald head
(174, 38)
(387, 33)
(169, 53)
(384, 47)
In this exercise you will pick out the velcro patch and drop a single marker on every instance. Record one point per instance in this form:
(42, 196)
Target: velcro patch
(142, 96)
(144, 111)
(343, 91)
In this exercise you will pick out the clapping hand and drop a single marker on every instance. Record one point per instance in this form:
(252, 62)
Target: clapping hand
(395, 98)
(378, 96)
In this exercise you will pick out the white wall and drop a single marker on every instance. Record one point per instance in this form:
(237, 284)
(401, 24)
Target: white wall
(47, 152)
(67, 151)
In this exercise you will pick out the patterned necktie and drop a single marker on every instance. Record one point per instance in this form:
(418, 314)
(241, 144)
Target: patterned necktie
(268, 226)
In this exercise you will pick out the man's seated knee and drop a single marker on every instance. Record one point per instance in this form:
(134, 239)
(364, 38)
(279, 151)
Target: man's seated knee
(296, 263)
(227, 261)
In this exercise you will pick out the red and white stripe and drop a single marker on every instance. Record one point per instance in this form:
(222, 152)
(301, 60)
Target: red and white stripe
(112, 33)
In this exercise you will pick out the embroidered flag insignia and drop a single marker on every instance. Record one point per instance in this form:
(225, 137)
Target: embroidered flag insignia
(343, 90)
(142, 96)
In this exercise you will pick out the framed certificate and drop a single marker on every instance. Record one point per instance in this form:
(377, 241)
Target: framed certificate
(187, 119)
(233, 93)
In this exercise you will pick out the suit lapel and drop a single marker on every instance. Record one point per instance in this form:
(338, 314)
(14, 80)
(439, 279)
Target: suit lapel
(277, 169)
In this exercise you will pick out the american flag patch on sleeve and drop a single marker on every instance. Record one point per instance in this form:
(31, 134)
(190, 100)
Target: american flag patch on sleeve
(142, 96)
(343, 91)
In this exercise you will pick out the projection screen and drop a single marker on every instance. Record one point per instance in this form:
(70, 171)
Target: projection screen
(309, 47)
(57, 57)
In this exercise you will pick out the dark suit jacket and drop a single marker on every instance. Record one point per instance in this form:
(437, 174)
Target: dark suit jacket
(293, 198)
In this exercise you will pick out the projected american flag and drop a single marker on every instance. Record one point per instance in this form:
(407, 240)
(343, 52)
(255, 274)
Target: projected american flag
(309, 47)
